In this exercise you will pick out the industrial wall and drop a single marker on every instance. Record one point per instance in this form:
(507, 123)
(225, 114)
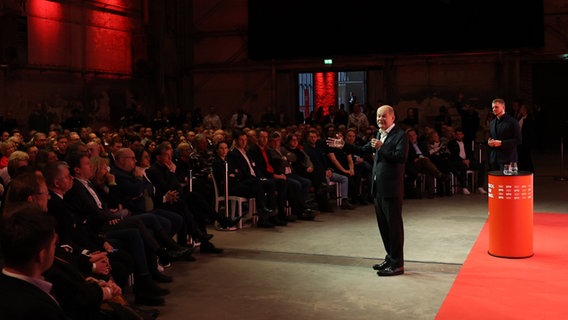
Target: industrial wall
(104, 56)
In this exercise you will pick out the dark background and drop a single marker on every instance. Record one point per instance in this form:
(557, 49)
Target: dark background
(299, 29)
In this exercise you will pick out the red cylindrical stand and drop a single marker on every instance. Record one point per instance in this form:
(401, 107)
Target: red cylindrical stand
(510, 200)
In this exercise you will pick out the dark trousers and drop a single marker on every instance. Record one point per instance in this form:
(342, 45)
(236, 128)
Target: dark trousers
(389, 218)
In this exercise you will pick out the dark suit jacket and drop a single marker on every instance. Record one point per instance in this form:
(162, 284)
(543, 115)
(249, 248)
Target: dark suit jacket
(20, 300)
(84, 205)
(454, 148)
(218, 170)
(410, 168)
(507, 130)
(259, 162)
(130, 190)
(240, 165)
(79, 299)
(163, 180)
(389, 163)
(72, 230)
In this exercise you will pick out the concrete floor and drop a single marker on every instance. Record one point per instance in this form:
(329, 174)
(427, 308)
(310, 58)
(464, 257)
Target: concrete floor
(322, 269)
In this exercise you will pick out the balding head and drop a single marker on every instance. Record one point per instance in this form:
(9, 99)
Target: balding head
(124, 159)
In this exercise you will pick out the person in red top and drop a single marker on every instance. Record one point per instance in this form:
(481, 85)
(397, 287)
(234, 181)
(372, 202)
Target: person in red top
(6, 149)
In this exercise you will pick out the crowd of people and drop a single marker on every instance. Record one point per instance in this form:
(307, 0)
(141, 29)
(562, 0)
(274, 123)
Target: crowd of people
(135, 199)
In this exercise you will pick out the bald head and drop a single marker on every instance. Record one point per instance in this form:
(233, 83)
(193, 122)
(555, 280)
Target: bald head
(385, 116)
(125, 159)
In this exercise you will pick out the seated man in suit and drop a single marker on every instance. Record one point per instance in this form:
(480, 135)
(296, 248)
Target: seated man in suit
(418, 161)
(172, 196)
(28, 241)
(243, 165)
(463, 155)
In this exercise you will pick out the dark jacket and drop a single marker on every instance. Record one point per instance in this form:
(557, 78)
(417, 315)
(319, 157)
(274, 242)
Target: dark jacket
(20, 300)
(389, 163)
(507, 130)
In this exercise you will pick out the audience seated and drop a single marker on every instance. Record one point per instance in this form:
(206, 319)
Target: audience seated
(170, 195)
(243, 163)
(278, 157)
(363, 168)
(440, 156)
(28, 240)
(418, 161)
(342, 163)
(316, 149)
(127, 203)
(462, 157)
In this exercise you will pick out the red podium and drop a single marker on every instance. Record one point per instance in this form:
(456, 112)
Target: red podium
(510, 200)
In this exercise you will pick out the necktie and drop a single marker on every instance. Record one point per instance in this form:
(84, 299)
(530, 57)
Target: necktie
(268, 166)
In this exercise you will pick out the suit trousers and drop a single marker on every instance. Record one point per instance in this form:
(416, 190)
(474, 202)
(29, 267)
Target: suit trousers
(389, 219)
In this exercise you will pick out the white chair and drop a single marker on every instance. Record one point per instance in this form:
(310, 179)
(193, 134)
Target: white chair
(470, 176)
(233, 205)
(338, 195)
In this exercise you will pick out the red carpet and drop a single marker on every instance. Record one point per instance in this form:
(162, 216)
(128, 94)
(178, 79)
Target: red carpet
(499, 288)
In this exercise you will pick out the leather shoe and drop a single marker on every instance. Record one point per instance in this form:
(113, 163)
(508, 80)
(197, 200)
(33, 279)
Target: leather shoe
(178, 253)
(306, 216)
(275, 220)
(290, 218)
(265, 212)
(390, 271)
(264, 223)
(149, 300)
(146, 314)
(208, 247)
(187, 258)
(345, 205)
(227, 223)
(160, 277)
(381, 266)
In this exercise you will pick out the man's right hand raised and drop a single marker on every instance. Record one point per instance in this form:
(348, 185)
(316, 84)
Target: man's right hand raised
(335, 143)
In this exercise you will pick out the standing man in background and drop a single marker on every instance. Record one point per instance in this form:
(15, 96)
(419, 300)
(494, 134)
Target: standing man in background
(390, 150)
(504, 137)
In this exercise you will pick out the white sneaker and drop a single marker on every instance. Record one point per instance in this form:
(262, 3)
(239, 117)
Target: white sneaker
(481, 190)
(465, 191)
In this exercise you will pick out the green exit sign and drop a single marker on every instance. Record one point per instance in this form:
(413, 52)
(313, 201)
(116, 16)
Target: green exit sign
(327, 61)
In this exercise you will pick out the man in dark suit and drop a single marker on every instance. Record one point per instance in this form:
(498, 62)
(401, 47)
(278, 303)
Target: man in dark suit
(28, 240)
(460, 153)
(418, 161)
(391, 152)
(170, 195)
(504, 137)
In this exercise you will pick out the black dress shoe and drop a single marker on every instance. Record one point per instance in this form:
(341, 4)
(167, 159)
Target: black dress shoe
(160, 277)
(381, 266)
(234, 221)
(227, 223)
(178, 253)
(264, 223)
(277, 221)
(325, 208)
(188, 258)
(146, 314)
(290, 218)
(265, 212)
(390, 271)
(307, 215)
(208, 247)
(148, 300)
